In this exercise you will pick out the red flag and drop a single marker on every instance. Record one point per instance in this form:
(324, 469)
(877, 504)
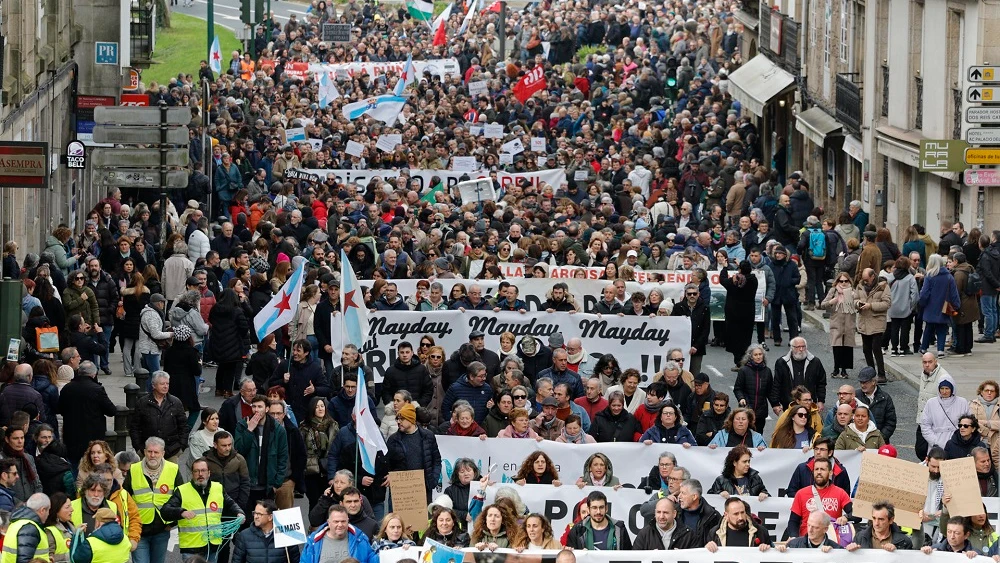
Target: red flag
(494, 7)
(530, 83)
(440, 37)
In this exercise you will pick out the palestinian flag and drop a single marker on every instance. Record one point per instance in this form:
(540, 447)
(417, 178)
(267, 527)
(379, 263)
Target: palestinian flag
(420, 9)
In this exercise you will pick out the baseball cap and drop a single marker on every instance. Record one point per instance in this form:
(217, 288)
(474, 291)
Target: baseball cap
(887, 450)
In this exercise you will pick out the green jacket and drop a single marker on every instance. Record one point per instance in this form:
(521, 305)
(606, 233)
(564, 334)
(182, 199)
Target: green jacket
(74, 303)
(275, 454)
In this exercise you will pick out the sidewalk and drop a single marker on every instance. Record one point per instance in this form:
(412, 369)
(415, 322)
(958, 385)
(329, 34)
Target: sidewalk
(968, 371)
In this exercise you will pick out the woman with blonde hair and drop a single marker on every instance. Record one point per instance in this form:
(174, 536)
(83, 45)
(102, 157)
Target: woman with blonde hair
(841, 302)
(98, 452)
(536, 534)
(435, 367)
(392, 534)
(987, 411)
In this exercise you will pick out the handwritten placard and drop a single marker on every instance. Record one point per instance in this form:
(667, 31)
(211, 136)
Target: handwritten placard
(901, 482)
(960, 481)
(409, 497)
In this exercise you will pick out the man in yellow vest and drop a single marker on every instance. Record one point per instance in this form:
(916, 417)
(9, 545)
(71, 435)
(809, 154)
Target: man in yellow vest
(25, 538)
(198, 507)
(131, 520)
(106, 544)
(151, 482)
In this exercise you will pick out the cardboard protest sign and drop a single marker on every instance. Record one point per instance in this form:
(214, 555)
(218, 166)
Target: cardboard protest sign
(409, 497)
(960, 481)
(903, 483)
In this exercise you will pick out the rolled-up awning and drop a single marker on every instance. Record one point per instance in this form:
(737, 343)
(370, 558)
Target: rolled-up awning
(816, 124)
(757, 82)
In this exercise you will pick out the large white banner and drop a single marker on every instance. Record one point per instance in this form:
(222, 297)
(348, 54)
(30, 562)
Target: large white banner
(437, 67)
(631, 462)
(558, 505)
(450, 178)
(588, 291)
(724, 555)
(637, 342)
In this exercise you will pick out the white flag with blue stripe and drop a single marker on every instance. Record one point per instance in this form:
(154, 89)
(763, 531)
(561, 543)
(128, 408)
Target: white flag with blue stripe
(280, 310)
(370, 441)
(327, 90)
(384, 108)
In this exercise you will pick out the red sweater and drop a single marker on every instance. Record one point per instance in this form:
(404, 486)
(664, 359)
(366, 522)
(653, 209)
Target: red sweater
(592, 408)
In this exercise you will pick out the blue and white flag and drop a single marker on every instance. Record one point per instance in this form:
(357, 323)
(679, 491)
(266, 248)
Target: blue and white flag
(369, 437)
(327, 90)
(353, 301)
(384, 108)
(215, 56)
(406, 77)
(280, 310)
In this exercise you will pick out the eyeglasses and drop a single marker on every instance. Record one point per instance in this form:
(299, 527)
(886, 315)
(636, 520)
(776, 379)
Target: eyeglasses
(966, 426)
(677, 360)
(843, 281)
(425, 345)
(519, 397)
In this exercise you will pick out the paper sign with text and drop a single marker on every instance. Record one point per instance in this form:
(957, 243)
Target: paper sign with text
(409, 497)
(901, 482)
(494, 131)
(354, 149)
(288, 527)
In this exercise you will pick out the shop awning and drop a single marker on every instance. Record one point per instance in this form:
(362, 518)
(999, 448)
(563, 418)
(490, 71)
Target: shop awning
(816, 124)
(757, 82)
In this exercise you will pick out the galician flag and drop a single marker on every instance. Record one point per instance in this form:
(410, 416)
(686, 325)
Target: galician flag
(406, 78)
(369, 437)
(352, 300)
(281, 308)
(327, 90)
(468, 17)
(385, 108)
(215, 56)
(420, 9)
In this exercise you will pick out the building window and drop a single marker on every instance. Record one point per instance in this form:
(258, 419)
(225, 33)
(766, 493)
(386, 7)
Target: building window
(828, 24)
(812, 24)
(845, 30)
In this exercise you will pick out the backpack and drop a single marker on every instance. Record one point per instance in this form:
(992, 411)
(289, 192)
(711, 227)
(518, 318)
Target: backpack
(817, 244)
(692, 189)
(974, 285)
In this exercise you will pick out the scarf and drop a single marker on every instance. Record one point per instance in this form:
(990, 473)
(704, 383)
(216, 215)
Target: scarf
(598, 482)
(26, 465)
(990, 405)
(457, 430)
(516, 434)
(577, 358)
(577, 438)
(154, 475)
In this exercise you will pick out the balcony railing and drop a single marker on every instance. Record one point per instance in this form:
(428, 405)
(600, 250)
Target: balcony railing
(849, 100)
(751, 7)
(885, 90)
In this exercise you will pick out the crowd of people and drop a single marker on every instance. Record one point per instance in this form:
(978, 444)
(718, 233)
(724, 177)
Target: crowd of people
(663, 172)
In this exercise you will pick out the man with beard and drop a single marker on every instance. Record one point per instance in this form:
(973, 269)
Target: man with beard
(93, 497)
(350, 362)
(834, 501)
(197, 504)
(407, 373)
(798, 367)
(738, 529)
(695, 511)
(665, 532)
(599, 531)
(815, 538)
(559, 300)
(150, 482)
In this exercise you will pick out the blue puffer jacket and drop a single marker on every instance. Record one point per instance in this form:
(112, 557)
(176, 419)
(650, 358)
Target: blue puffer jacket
(934, 293)
(252, 545)
(358, 546)
(341, 407)
(476, 396)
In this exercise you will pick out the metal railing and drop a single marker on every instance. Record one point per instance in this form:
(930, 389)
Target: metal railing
(849, 100)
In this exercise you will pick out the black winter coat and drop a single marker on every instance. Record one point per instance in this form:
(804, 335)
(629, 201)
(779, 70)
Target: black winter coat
(786, 277)
(709, 425)
(412, 377)
(181, 362)
(166, 420)
(133, 305)
(814, 378)
(755, 485)
(229, 335)
(52, 467)
(701, 324)
(85, 402)
(251, 545)
(261, 367)
(753, 385)
(649, 538)
(607, 427)
(343, 455)
(106, 291)
(882, 411)
(740, 308)
(429, 457)
(300, 377)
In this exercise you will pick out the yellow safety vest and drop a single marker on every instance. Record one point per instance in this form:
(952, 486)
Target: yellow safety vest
(9, 553)
(62, 542)
(78, 511)
(107, 553)
(194, 533)
(150, 500)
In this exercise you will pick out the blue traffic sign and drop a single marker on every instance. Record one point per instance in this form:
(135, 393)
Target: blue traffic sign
(106, 53)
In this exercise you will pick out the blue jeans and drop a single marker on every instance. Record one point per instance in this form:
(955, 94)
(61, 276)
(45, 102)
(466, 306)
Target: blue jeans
(988, 305)
(152, 364)
(102, 359)
(939, 331)
(152, 549)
